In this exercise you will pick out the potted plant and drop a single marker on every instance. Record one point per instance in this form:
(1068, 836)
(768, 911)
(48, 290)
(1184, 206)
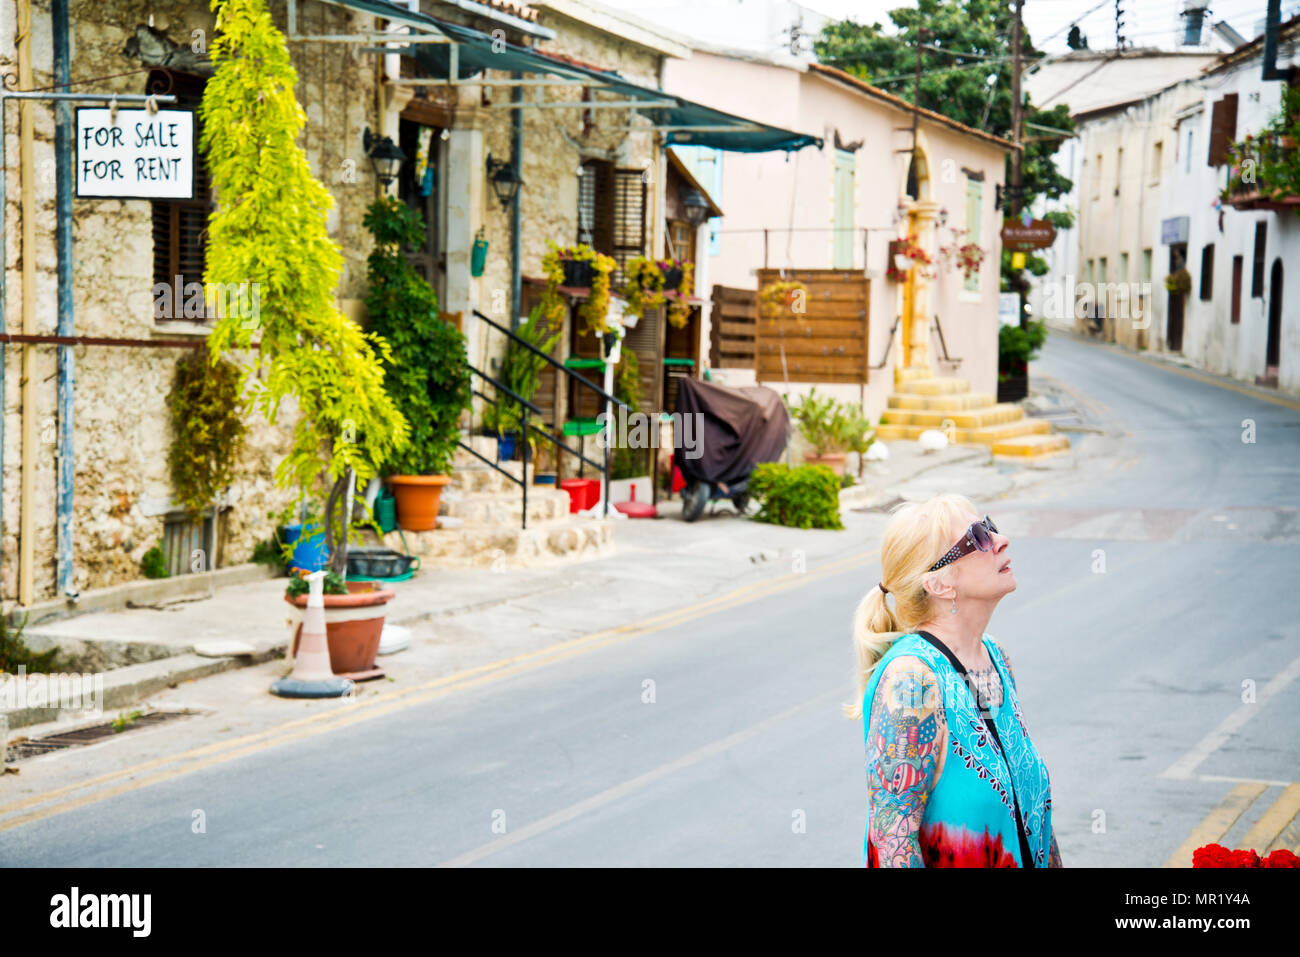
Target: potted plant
(906, 254)
(520, 371)
(426, 370)
(822, 422)
(594, 273)
(961, 254)
(1179, 282)
(644, 286)
(354, 621)
(782, 298)
(679, 307)
(1017, 347)
(269, 229)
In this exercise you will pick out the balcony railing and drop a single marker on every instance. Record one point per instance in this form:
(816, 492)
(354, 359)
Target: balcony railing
(1264, 175)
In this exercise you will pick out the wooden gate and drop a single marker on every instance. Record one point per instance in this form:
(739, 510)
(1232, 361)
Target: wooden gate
(827, 342)
(732, 327)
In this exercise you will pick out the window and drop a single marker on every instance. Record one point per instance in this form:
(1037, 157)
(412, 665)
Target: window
(611, 212)
(1123, 267)
(1238, 267)
(180, 226)
(1157, 160)
(1257, 272)
(1207, 272)
(1223, 129)
(1187, 159)
(1146, 265)
(1096, 179)
(1119, 169)
(1091, 272)
(843, 212)
(974, 226)
(1101, 270)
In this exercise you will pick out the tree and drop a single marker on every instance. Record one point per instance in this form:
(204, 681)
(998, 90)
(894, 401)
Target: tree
(967, 43)
(269, 233)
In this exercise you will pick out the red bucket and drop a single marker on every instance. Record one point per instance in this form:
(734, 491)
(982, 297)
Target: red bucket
(583, 493)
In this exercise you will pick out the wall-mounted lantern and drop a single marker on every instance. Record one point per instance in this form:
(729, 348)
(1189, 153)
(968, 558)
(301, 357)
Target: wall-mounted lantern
(505, 181)
(385, 156)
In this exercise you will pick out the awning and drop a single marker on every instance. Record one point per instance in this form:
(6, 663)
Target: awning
(680, 120)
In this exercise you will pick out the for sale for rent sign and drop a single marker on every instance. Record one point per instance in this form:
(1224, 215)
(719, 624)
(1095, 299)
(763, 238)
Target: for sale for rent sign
(135, 154)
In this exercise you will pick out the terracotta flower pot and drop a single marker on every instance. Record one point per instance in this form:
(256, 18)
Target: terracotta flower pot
(833, 459)
(417, 500)
(353, 625)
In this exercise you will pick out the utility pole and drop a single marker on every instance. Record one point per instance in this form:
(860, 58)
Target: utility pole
(1120, 40)
(1016, 117)
(1016, 122)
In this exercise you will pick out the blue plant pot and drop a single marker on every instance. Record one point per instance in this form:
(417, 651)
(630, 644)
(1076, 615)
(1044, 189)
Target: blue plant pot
(310, 553)
(506, 446)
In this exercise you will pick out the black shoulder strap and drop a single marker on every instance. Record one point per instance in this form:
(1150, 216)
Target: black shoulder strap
(1026, 857)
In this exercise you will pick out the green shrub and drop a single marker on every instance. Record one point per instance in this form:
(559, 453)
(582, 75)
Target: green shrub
(15, 654)
(1018, 347)
(154, 563)
(427, 370)
(207, 429)
(804, 497)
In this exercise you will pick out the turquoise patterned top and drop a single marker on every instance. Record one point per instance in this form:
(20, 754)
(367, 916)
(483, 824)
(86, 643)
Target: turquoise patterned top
(969, 818)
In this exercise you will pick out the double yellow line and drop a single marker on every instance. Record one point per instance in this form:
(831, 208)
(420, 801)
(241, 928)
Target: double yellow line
(1268, 834)
(170, 767)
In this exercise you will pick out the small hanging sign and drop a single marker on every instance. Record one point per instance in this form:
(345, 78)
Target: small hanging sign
(134, 154)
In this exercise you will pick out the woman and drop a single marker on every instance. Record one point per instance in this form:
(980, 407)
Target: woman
(945, 789)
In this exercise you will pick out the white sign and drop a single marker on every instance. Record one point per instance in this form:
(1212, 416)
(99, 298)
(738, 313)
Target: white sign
(135, 155)
(1009, 308)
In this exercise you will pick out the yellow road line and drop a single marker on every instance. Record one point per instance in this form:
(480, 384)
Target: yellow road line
(1269, 828)
(1217, 822)
(323, 722)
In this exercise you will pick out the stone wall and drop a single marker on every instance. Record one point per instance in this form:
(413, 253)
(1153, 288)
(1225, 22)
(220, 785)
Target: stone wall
(121, 434)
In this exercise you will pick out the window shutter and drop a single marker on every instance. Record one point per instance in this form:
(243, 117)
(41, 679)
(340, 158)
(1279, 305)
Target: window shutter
(1223, 129)
(596, 206)
(180, 226)
(629, 219)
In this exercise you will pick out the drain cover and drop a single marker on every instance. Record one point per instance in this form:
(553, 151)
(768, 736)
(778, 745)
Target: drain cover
(34, 747)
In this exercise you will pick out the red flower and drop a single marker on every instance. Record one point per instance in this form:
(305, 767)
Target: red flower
(1281, 858)
(1212, 855)
(1245, 859)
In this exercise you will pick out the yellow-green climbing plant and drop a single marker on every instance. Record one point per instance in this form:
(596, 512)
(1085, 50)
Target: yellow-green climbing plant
(269, 229)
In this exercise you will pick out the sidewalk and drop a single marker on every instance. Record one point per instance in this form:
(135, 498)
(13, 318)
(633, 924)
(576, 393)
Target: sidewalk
(463, 618)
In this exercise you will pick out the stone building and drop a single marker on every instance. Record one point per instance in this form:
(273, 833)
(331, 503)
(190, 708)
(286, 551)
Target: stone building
(455, 92)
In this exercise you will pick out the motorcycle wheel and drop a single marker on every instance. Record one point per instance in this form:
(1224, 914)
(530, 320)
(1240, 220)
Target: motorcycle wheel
(740, 501)
(694, 497)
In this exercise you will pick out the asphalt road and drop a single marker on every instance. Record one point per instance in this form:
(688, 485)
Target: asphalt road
(1146, 597)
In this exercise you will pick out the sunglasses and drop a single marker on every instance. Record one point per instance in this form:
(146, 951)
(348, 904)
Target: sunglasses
(976, 537)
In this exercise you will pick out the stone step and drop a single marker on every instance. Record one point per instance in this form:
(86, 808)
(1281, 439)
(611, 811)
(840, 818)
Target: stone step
(984, 435)
(483, 478)
(969, 419)
(574, 539)
(545, 504)
(933, 386)
(910, 375)
(950, 402)
(1032, 446)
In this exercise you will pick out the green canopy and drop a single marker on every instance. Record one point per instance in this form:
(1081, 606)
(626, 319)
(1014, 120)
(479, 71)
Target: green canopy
(682, 122)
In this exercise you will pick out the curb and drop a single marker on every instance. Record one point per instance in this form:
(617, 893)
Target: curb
(129, 685)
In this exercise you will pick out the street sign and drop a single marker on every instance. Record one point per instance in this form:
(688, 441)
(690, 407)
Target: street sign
(1009, 308)
(1174, 230)
(135, 154)
(1017, 237)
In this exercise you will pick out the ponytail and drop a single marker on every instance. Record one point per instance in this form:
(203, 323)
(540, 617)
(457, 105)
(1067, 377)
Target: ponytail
(914, 538)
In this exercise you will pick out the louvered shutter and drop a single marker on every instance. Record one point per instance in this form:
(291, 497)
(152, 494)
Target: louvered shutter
(180, 226)
(629, 218)
(1223, 129)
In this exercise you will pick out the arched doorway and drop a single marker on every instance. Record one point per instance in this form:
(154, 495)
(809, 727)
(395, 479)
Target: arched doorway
(1272, 353)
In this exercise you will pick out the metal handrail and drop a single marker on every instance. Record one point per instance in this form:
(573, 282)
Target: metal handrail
(582, 380)
(889, 348)
(939, 326)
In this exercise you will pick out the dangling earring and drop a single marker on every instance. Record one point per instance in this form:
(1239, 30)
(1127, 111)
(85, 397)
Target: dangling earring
(953, 609)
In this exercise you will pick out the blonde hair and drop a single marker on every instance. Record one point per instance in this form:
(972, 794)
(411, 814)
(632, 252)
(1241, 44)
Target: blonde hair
(915, 538)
